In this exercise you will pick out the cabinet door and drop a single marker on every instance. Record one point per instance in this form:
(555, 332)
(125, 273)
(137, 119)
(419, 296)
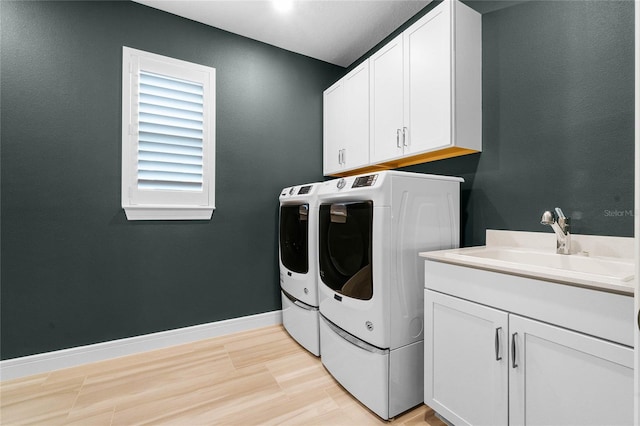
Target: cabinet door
(386, 69)
(428, 81)
(561, 377)
(333, 127)
(356, 142)
(465, 360)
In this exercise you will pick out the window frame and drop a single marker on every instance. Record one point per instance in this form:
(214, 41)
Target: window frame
(156, 204)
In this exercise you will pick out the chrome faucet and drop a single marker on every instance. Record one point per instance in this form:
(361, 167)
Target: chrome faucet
(561, 226)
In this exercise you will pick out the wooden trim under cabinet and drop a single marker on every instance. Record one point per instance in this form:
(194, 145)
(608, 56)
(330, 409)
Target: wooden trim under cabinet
(425, 157)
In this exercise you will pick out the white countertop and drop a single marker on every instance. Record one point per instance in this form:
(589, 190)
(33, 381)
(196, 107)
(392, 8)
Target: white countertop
(601, 263)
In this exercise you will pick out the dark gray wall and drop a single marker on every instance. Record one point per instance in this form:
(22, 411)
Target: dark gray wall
(557, 131)
(558, 95)
(74, 270)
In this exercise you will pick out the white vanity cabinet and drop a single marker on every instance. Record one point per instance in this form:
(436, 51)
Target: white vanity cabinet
(503, 349)
(465, 365)
(561, 377)
(346, 122)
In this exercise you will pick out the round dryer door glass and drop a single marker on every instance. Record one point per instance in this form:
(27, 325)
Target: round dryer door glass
(294, 237)
(345, 248)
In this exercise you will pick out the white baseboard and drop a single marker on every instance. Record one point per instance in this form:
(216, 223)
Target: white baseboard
(50, 361)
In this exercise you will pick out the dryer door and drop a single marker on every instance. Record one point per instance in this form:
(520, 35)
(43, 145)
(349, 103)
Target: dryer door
(294, 237)
(345, 248)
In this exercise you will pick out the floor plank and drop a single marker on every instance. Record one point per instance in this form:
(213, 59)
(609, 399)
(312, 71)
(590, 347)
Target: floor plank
(255, 377)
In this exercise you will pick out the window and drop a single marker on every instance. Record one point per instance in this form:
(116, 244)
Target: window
(168, 138)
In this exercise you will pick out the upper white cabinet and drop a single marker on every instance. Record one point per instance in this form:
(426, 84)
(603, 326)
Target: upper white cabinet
(333, 128)
(387, 100)
(426, 87)
(346, 122)
(425, 92)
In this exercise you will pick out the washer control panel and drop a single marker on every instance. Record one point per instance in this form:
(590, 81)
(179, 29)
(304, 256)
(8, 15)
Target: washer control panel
(363, 181)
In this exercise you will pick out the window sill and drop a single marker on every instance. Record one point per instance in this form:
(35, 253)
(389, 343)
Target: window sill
(168, 213)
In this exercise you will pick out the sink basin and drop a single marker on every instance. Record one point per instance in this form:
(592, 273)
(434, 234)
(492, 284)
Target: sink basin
(603, 263)
(612, 269)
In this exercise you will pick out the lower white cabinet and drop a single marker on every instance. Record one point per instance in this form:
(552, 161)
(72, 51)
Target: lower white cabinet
(466, 355)
(560, 377)
(486, 366)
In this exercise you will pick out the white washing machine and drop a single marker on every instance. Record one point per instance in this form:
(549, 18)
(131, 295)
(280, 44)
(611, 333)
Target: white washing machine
(298, 259)
(371, 229)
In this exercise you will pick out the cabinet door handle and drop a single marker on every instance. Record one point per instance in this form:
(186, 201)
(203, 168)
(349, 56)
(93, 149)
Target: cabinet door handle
(398, 138)
(344, 156)
(497, 344)
(513, 350)
(405, 139)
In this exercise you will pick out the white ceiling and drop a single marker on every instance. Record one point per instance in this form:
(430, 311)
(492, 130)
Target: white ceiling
(334, 31)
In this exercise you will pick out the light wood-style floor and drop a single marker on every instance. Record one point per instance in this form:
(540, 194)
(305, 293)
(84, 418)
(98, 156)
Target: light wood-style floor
(256, 377)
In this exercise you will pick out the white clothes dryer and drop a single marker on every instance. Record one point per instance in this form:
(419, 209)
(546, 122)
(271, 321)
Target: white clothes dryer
(298, 261)
(370, 279)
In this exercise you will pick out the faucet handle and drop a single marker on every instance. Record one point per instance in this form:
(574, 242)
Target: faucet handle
(559, 213)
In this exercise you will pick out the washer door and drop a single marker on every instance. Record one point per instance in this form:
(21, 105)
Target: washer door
(294, 237)
(345, 248)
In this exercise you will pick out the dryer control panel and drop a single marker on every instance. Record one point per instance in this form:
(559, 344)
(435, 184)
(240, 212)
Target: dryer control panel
(296, 190)
(305, 189)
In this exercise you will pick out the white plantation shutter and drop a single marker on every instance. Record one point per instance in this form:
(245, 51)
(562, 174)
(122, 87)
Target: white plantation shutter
(170, 121)
(168, 142)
